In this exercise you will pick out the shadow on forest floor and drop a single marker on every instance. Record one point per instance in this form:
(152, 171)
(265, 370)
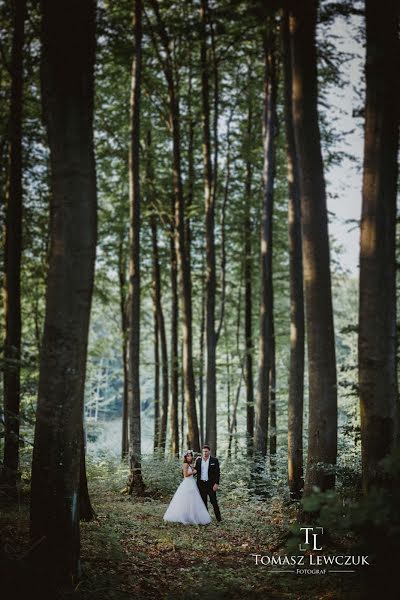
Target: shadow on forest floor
(129, 552)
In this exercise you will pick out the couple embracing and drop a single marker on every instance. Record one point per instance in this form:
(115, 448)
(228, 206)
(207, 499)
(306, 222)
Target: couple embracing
(189, 503)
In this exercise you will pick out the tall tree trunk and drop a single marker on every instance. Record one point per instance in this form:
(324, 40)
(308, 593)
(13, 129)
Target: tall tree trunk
(185, 443)
(269, 127)
(136, 484)
(162, 433)
(228, 377)
(181, 249)
(377, 325)
(191, 174)
(223, 228)
(322, 430)
(174, 385)
(211, 395)
(248, 294)
(215, 79)
(156, 439)
(232, 421)
(201, 357)
(12, 257)
(124, 331)
(296, 368)
(67, 88)
(185, 282)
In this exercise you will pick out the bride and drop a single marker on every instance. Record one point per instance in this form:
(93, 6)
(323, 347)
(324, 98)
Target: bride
(187, 505)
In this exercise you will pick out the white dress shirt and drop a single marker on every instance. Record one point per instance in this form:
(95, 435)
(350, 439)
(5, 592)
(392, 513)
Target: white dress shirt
(204, 469)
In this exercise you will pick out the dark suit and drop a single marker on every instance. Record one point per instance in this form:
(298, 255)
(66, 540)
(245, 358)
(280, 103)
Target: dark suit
(206, 487)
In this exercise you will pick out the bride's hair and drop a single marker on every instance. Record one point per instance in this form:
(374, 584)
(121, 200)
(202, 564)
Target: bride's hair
(185, 456)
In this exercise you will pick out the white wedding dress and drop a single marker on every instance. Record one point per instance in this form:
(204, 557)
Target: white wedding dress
(186, 505)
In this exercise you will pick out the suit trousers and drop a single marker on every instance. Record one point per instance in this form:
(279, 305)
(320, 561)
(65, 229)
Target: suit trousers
(205, 489)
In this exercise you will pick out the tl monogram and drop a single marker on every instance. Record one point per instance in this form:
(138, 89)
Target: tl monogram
(314, 537)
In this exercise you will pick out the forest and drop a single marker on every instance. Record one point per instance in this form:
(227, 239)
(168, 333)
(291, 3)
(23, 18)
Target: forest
(176, 180)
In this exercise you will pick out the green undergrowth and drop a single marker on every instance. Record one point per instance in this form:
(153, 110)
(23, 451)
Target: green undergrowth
(129, 552)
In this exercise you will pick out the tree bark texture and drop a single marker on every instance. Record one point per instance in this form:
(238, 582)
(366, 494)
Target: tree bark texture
(248, 294)
(322, 428)
(67, 95)
(265, 357)
(379, 404)
(296, 368)
(124, 331)
(162, 433)
(136, 484)
(211, 382)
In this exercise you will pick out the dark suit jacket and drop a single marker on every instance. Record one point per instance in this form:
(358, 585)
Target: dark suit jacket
(213, 470)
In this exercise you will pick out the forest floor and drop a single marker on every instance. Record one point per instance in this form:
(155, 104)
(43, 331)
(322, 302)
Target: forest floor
(129, 552)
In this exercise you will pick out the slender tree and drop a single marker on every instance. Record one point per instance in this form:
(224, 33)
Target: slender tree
(174, 359)
(226, 191)
(158, 308)
(67, 94)
(12, 256)
(296, 368)
(191, 178)
(265, 356)
(179, 231)
(211, 382)
(272, 393)
(162, 336)
(248, 282)
(201, 350)
(124, 331)
(377, 310)
(322, 429)
(156, 336)
(136, 484)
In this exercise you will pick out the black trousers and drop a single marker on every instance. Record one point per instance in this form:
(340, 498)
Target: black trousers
(205, 489)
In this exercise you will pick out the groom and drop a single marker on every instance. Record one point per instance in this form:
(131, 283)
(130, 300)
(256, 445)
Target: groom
(207, 468)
